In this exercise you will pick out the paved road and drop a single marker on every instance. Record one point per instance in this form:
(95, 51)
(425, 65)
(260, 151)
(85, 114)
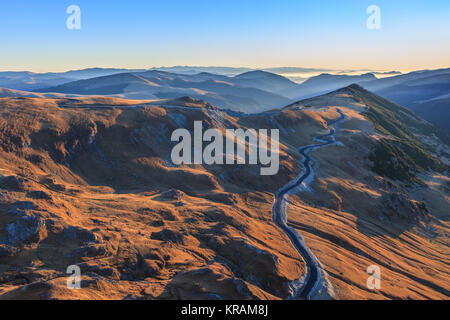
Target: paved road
(313, 273)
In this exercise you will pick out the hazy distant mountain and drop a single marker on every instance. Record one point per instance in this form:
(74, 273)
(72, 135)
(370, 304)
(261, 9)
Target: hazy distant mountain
(94, 72)
(249, 92)
(425, 92)
(325, 83)
(379, 84)
(235, 71)
(391, 73)
(29, 80)
(269, 82)
(192, 70)
(252, 91)
(297, 70)
(26, 81)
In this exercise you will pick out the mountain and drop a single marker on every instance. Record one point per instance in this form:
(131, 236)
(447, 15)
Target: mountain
(229, 71)
(192, 70)
(287, 70)
(424, 92)
(28, 81)
(379, 84)
(32, 81)
(407, 132)
(268, 82)
(325, 83)
(246, 93)
(89, 181)
(93, 72)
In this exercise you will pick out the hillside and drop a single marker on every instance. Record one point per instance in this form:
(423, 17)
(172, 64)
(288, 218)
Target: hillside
(89, 181)
(425, 92)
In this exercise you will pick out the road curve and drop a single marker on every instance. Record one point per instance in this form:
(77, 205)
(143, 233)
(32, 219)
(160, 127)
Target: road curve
(314, 271)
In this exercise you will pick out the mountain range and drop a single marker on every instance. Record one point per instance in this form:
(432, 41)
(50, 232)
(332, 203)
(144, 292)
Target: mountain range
(425, 92)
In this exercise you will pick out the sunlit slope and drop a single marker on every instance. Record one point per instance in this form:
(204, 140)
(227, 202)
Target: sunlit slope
(89, 181)
(363, 210)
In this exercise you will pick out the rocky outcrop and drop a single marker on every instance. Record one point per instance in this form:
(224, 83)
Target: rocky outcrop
(20, 208)
(168, 236)
(91, 251)
(13, 183)
(26, 230)
(79, 234)
(171, 194)
(42, 195)
(102, 270)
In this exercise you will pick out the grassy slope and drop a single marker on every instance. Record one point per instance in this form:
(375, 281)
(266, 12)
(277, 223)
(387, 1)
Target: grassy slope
(403, 155)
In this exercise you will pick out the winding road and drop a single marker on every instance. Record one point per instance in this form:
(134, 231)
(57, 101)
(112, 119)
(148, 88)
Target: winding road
(315, 273)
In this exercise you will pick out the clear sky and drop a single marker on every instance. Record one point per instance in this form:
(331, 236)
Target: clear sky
(252, 33)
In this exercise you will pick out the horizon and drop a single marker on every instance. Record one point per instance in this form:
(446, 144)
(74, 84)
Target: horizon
(413, 35)
(311, 70)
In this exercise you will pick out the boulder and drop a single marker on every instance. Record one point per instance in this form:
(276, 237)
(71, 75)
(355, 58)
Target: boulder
(20, 208)
(80, 234)
(151, 268)
(104, 271)
(91, 251)
(168, 236)
(40, 195)
(26, 230)
(13, 183)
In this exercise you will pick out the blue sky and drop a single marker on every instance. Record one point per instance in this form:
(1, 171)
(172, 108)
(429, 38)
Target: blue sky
(251, 33)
